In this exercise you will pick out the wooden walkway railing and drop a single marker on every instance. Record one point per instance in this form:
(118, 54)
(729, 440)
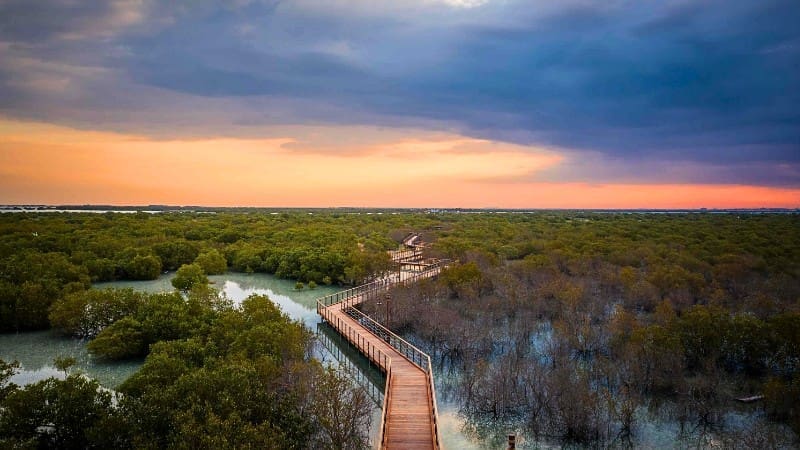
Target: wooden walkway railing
(345, 355)
(410, 254)
(409, 417)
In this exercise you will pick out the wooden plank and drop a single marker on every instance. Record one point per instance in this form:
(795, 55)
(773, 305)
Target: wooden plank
(409, 412)
(409, 416)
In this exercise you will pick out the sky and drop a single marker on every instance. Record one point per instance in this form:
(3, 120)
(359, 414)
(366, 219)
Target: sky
(402, 103)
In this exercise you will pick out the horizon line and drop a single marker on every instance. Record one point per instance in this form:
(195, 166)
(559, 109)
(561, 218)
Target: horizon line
(103, 206)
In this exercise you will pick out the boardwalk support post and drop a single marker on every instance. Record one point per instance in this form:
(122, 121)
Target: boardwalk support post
(512, 442)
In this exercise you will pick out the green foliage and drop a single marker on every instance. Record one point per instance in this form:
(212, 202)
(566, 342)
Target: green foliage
(104, 269)
(86, 313)
(146, 267)
(125, 338)
(701, 331)
(165, 316)
(463, 280)
(657, 304)
(312, 284)
(188, 276)
(737, 342)
(299, 286)
(7, 370)
(212, 262)
(49, 251)
(175, 253)
(243, 381)
(156, 317)
(247, 259)
(70, 413)
(231, 378)
(64, 363)
(658, 357)
(783, 331)
(216, 376)
(30, 282)
(461, 275)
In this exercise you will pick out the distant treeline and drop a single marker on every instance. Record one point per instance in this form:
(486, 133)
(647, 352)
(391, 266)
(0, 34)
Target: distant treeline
(365, 210)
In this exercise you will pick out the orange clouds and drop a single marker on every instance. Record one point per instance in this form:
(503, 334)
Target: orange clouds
(57, 165)
(623, 196)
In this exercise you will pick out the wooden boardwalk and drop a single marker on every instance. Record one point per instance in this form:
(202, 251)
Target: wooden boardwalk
(409, 419)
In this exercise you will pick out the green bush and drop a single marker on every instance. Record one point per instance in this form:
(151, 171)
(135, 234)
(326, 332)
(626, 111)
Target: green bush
(86, 313)
(212, 262)
(123, 339)
(143, 268)
(188, 276)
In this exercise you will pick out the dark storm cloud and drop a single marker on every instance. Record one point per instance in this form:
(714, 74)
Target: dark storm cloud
(32, 21)
(681, 87)
(710, 83)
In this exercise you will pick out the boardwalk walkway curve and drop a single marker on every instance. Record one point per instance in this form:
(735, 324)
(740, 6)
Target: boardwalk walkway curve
(409, 417)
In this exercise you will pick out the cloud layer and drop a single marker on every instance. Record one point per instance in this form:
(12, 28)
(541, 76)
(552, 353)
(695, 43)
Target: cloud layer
(58, 165)
(676, 91)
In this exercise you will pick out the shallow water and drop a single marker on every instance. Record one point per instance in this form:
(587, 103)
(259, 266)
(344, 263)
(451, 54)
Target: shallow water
(36, 351)
(299, 305)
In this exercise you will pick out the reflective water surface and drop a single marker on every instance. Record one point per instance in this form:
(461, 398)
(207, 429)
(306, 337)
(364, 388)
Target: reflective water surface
(36, 351)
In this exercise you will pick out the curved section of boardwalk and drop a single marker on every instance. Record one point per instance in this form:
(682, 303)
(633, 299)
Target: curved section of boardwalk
(409, 418)
(407, 413)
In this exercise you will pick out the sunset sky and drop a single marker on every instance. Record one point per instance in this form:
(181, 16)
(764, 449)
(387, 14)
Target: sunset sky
(418, 103)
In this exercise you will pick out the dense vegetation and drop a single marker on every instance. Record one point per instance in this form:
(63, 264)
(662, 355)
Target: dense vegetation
(216, 376)
(44, 257)
(567, 325)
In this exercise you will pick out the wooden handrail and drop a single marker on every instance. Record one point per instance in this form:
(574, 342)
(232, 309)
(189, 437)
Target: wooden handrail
(426, 367)
(374, 354)
(398, 343)
(400, 255)
(379, 285)
(434, 406)
(386, 394)
(346, 301)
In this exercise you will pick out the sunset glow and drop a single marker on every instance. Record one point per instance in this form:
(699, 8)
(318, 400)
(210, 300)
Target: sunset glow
(57, 165)
(449, 103)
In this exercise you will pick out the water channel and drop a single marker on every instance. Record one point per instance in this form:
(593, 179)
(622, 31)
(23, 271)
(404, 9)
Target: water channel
(36, 351)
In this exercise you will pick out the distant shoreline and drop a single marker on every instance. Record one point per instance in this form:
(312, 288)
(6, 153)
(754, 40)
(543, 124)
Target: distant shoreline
(155, 209)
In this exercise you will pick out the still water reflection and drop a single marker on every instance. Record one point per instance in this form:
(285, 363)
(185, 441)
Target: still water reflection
(35, 351)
